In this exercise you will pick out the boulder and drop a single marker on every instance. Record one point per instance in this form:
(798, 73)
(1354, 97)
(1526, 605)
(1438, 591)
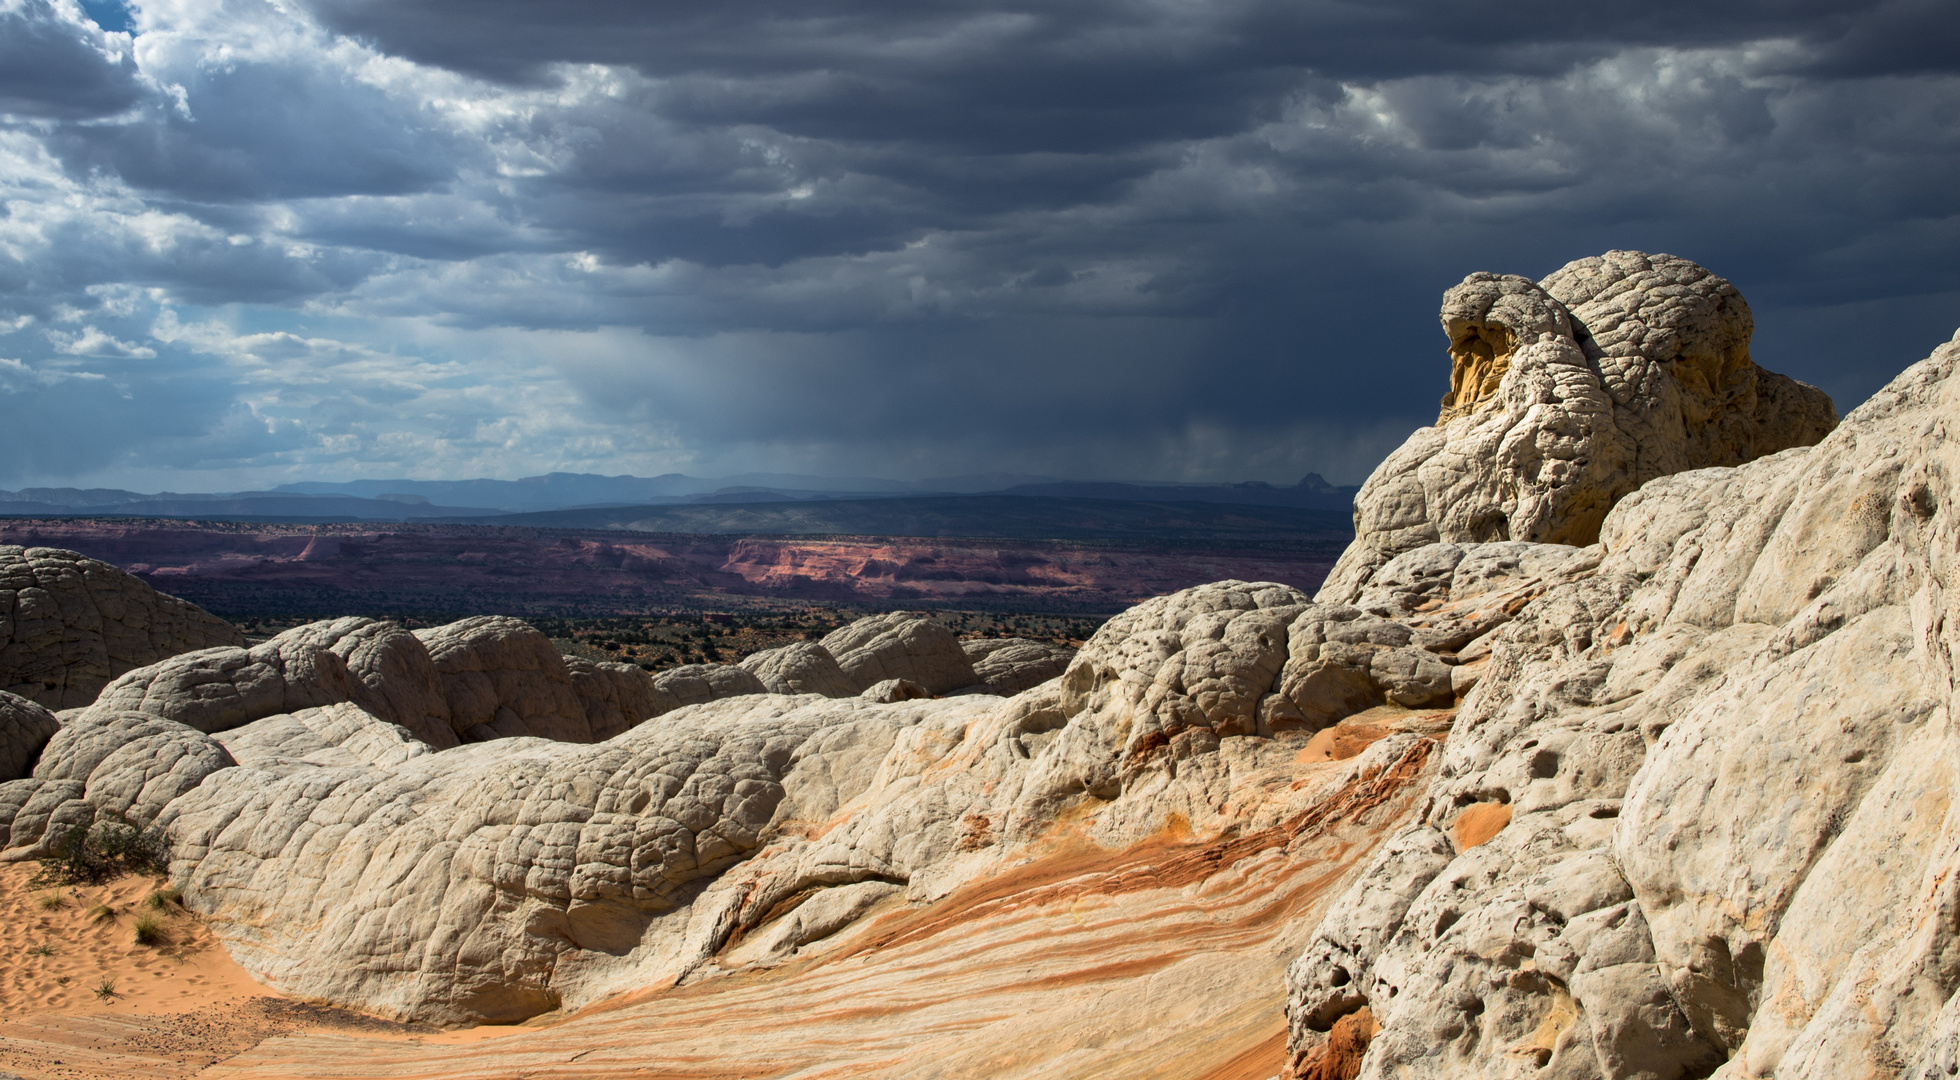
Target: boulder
(1341, 660)
(501, 678)
(215, 690)
(693, 684)
(471, 680)
(396, 679)
(801, 667)
(69, 624)
(1011, 665)
(616, 697)
(120, 767)
(901, 645)
(1568, 394)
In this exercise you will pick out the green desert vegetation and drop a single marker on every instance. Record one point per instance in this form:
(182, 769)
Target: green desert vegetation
(79, 855)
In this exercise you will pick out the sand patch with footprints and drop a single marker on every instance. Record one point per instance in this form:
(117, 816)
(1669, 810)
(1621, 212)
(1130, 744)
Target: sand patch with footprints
(172, 1008)
(60, 948)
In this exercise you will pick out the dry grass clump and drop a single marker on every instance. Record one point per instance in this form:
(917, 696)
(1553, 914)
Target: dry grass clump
(106, 989)
(165, 898)
(101, 913)
(43, 949)
(150, 931)
(51, 901)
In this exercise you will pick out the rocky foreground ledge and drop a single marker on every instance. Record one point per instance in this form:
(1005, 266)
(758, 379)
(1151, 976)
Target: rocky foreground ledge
(1619, 746)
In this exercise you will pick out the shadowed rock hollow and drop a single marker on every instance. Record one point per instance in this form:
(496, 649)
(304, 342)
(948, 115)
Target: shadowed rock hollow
(1673, 799)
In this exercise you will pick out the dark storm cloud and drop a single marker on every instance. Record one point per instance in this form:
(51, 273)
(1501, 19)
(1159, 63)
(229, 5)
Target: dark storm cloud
(54, 68)
(258, 131)
(1133, 239)
(1062, 44)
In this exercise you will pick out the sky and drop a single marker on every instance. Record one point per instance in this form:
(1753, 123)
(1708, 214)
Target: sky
(244, 243)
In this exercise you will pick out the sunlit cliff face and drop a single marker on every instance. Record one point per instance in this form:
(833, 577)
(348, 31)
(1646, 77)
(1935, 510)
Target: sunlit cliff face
(1480, 354)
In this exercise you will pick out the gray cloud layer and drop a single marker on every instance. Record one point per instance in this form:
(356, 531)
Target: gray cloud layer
(1098, 238)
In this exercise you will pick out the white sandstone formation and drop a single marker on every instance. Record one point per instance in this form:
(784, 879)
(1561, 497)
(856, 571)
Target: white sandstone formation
(901, 645)
(692, 684)
(24, 729)
(1698, 814)
(371, 817)
(497, 880)
(1568, 394)
(69, 624)
(801, 667)
(1010, 665)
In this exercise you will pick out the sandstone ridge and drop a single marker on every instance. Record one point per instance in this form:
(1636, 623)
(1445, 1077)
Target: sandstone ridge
(1697, 818)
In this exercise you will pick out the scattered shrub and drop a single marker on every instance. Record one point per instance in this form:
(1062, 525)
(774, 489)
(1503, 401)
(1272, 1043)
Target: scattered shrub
(106, 989)
(109, 849)
(50, 901)
(149, 930)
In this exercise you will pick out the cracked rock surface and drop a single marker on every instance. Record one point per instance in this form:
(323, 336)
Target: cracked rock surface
(1567, 395)
(69, 624)
(1697, 816)
(445, 825)
(1011, 665)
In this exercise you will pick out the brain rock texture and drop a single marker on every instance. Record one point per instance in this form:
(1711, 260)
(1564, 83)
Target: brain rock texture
(1697, 815)
(69, 624)
(1568, 394)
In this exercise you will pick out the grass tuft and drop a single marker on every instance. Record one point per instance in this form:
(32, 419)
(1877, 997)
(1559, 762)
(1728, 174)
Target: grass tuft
(165, 898)
(51, 901)
(43, 949)
(101, 913)
(149, 931)
(106, 989)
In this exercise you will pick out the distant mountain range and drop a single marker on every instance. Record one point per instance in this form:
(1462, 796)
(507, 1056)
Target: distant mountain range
(1005, 515)
(563, 497)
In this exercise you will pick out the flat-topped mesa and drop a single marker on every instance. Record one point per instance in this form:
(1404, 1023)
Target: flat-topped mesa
(1568, 394)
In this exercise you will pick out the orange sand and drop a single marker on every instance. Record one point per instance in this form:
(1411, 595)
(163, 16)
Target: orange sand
(1478, 823)
(188, 971)
(176, 1008)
